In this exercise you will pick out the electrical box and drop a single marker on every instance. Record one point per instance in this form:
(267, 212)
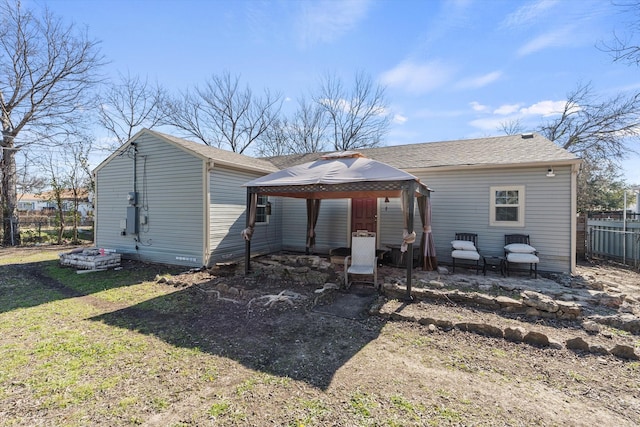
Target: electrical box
(132, 197)
(132, 219)
(123, 225)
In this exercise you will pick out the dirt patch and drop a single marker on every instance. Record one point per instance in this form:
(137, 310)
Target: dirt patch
(281, 362)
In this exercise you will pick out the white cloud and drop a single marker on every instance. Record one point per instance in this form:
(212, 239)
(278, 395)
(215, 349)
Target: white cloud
(528, 116)
(417, 78)
(528, 14)
(399, 119)
(544, 108)
(506, 109)
(480, 81)
(476, 106)
(488, 123)
(325, 21)
(561, 37)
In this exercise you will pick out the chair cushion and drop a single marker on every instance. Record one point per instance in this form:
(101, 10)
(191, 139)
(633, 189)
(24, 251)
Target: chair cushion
(522, 258)
(361, 269)
(520, 248)
(464, 245)
(460, 254)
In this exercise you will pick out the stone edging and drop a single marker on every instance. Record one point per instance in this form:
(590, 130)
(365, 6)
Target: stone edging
(528, 306)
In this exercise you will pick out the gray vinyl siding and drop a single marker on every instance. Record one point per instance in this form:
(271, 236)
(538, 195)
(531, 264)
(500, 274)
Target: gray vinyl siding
(228, 218)
(331, 229)
(391, 223)
(170, 195)
(461, 203)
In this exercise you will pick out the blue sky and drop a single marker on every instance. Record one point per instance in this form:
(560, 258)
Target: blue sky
(453, 69)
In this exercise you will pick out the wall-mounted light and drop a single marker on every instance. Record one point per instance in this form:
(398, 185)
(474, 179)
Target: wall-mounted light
(550, 173)
(268, 209)
(386, 203)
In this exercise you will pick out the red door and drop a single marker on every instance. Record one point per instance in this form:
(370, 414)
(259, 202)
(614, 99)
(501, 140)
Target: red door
(364, 214)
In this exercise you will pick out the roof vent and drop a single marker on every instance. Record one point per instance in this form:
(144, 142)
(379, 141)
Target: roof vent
(527, 135)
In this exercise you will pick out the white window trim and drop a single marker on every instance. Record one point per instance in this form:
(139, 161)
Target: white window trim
(492, 204)
(267, 217)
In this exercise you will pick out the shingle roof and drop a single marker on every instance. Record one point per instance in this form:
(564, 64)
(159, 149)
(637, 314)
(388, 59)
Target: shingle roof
(501, 150)
(218, 155)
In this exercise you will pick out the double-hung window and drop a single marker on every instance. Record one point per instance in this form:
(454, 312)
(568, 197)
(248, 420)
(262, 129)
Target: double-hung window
(262, 214)
(507, 206)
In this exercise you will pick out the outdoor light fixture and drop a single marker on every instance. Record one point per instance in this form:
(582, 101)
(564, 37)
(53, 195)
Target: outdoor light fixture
(550, 173)
(386, 203)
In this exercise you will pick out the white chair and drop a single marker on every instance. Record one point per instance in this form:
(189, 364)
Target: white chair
(465, 246)
(517, 250)
(363, 257)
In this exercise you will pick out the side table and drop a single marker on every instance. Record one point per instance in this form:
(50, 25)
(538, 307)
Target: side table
(496, 263)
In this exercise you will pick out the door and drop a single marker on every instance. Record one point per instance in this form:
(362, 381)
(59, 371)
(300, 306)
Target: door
(364, 214)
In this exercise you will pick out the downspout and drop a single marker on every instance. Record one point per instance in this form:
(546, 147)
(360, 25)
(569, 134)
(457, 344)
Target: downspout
(574, 213)
(136, 239)
(135, 168)
(208, 169)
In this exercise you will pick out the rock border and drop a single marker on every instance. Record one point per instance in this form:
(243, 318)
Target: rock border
(532, 305)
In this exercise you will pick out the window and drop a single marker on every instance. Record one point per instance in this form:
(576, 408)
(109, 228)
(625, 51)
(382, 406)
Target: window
(507, 206)
(264, 209)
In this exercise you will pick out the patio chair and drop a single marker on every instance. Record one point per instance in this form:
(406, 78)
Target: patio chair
(517, 250)
(465, 246)
(363, 257)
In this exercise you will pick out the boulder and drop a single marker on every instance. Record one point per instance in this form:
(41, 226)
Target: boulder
(514, 334)
(536, 338)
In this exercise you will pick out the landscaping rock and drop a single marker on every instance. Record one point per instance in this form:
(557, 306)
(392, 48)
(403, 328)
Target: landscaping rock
(539, 301)
(624, 351)
(577, 344)
(536, 338)
(514, 334)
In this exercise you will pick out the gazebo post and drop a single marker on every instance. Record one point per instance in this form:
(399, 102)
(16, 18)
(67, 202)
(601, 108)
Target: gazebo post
(412, 196)
(247, 242)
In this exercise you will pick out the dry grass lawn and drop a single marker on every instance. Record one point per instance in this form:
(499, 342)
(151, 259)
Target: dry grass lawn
(116, 349)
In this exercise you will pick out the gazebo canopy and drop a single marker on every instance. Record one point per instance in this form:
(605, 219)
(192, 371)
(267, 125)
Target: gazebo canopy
(338, 176)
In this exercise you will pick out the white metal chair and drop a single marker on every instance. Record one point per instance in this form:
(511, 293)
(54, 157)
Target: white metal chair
(465, 246)
(517, 250)
(363, 257)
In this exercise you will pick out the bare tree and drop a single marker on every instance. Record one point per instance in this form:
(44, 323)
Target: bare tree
(511, 127)
(129, 105)
(308, 129)
(27, 180)
(46, 69)
(223, 114)
(358, 117)
(78, 177)
(50, 163)
(276, 140)
(304, 133)
(625, 46)
(600, 132)
(594, 128)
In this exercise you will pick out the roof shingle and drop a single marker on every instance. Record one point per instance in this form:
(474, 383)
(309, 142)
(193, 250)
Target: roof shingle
(501, 150)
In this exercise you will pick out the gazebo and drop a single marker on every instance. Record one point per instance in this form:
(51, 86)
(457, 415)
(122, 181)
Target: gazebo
(340, 176)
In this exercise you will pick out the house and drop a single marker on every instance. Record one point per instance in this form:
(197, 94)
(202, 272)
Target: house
(45, 202)
(189, 200)
(468, 179)
(163, 199)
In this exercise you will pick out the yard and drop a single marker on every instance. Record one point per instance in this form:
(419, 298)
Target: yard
(120, 348)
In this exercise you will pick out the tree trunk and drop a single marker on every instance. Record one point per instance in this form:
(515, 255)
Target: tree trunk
(9, 197)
